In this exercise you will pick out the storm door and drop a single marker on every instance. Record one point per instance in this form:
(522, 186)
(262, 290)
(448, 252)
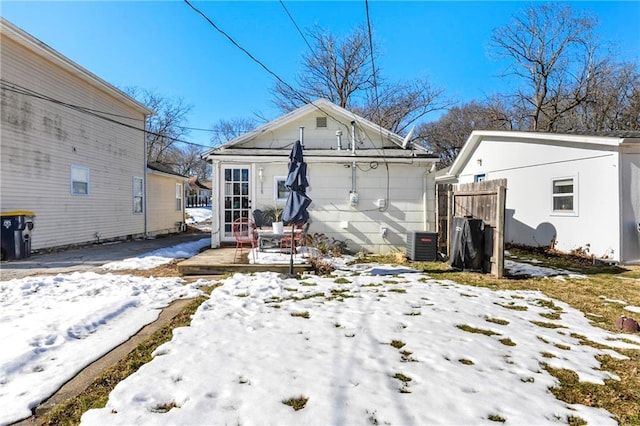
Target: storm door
(237, 201)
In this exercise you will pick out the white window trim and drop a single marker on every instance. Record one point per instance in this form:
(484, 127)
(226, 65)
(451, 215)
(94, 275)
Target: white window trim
(574, 194)
(71, 180)
(179, 197)
(134, 195)
(275, 189)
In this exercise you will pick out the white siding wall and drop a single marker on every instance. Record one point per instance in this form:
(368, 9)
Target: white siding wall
(330, 185)
(317, 137)
(40, 141)
(530, 168)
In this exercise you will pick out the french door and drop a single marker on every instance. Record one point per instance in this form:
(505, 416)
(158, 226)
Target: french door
(237, 197)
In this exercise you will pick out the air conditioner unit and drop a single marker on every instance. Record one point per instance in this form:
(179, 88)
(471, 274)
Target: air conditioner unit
(422, 246)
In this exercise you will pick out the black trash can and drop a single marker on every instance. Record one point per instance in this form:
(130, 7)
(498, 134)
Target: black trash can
(467, 244)
(15, 233)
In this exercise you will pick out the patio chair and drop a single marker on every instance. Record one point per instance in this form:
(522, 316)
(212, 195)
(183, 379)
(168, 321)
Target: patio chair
(299, 231)
(245, 233)
(259, 219)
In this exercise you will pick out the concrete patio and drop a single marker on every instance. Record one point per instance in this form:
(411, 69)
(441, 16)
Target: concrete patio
(221, 261)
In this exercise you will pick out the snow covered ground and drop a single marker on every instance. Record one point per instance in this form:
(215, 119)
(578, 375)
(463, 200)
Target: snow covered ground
(364, 349)
(53, 326)
(372, 344)
(199, 217)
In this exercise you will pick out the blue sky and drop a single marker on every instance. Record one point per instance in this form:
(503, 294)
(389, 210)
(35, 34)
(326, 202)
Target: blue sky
(166, 47)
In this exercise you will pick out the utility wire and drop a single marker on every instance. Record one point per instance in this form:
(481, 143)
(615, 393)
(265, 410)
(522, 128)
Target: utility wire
(373, 65)
(256, 60)
(296, 25)
(26, 92)
(302, 96)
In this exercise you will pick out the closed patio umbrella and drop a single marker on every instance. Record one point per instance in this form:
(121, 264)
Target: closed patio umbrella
(295, 210)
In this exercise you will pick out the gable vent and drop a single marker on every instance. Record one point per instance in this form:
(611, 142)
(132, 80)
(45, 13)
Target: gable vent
(321, 121)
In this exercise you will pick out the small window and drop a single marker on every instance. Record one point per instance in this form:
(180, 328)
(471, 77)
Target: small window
(178, 197)
(321, 121)
(563, 195)
(79, 180)
(479, 178)
(281, 192)
(138, 195)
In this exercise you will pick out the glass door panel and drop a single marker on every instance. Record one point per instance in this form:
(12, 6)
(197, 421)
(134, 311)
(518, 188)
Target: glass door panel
(236, 196)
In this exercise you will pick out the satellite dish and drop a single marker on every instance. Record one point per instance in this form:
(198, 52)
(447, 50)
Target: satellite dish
(406, 139)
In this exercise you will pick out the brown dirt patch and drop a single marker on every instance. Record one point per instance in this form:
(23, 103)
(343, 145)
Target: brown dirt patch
(167, 270)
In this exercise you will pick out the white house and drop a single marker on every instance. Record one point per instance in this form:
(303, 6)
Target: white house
(73, 146)
(368, 185)
(197, 193)
(572, 191)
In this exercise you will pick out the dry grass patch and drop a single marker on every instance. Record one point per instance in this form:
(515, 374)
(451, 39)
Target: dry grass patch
(470, 329)
(621, 398)
(296, 403)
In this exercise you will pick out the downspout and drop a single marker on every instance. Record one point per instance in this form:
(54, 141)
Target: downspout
(427, 189)
(144, 180)
(302, 136)
(353, 137)
(354, 195)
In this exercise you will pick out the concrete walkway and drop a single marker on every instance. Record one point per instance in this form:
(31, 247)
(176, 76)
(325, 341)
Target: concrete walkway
(91, 257)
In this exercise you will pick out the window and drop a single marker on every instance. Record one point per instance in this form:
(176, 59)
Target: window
(79, 180)
(563, 195)
(178, 197)
(138, 195)
(479, 178)
(321, 121)
(281, 192)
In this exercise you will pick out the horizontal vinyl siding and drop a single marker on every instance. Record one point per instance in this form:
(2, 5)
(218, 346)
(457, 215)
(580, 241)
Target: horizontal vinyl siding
(329, 189)
(161, 204)
(42, 139)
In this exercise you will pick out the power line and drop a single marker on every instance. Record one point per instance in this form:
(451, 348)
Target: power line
(373, 65)
(12, 87)
(296, 25)
(256, 60)
(302, 96)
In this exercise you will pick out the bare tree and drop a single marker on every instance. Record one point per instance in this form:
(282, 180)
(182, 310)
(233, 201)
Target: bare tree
(446, 136)
(166, 128)
(188, 162)
(225, 130)
(335, 70)
(399, 105)
(554, 56)
(342, 72)
(613, 102)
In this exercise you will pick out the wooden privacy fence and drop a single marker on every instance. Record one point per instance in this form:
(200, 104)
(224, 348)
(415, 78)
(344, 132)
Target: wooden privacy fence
(486, 201)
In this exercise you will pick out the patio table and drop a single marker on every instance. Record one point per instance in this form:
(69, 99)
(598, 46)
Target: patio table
(268, 239)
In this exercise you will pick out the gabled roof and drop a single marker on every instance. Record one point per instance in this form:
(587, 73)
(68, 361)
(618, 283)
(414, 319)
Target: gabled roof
(234, 147)
(600, 139)
(159, 167)
(27, 40)
(194, 182)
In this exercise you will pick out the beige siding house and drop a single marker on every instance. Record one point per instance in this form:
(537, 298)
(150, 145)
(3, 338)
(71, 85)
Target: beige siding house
(72, 145)
(368, 185)
(165, 202)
